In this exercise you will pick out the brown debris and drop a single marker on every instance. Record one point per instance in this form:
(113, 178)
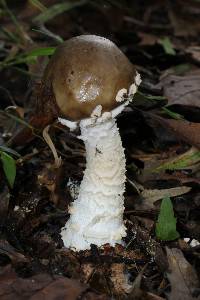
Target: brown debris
(119, 279)
(184, 130)
(182, 90)
(42, 287)
(182, 277)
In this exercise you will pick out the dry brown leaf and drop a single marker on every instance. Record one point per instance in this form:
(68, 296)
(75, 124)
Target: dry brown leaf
(147, 39)
(12, 253)
(186, 131)
(138, 294)
(182, 129)
(42, 287)
(182, 90)
(156, 164)
(151, 196)
(195, 52)
(182, 277)
(183, 23)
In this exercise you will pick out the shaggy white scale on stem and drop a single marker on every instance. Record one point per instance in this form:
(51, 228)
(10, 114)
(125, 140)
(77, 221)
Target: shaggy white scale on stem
(97, 213)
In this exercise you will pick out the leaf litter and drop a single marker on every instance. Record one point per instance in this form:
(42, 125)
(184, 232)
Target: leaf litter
(160, 133)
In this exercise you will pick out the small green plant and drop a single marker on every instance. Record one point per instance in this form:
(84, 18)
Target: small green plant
(167, 46)
(166, 223)
(9, 167)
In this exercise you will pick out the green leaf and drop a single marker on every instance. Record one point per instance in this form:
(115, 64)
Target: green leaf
(166, 224)
(41, 52)
(29, 57)
(9, 167)
(167, 46)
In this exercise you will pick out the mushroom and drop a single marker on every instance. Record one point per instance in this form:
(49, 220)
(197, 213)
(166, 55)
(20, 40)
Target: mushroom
(92, 81)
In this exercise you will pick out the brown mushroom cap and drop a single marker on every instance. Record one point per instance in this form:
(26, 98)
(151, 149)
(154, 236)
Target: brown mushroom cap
(84, 72)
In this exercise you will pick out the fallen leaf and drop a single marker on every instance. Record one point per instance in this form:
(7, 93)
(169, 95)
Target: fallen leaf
(12, 253)
(42, 287)
(148, 197)
(182, 90)
(180, 17)
(137, 293)
(151, 196)
(182, 277)
(156, 165)
(186, 131)
(187, 160)
(147, 39)
(195, 52)
(182, 129)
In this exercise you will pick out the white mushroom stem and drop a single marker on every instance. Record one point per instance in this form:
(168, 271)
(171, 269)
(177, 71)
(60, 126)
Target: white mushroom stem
(97, 213)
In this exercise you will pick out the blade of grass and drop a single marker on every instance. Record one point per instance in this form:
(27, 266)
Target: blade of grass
(151, 97)
(9, 150)
(21, 121)
(41, 52)
(50, 34)
(10, 35)
(172, 114)
(27, 73)
(23, 35)
(57, 9)
(37, 4)
(16, 119)
(28, 57)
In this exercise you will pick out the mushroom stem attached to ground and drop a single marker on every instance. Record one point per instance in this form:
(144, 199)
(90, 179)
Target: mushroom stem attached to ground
(97, 213)
(97, 83)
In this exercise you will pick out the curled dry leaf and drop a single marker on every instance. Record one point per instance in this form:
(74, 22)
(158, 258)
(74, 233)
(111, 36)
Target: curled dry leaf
(182, 277)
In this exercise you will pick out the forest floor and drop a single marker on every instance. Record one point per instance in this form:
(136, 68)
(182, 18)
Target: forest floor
(160, 131)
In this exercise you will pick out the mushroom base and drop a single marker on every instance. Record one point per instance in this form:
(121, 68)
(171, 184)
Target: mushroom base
(97, 213)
